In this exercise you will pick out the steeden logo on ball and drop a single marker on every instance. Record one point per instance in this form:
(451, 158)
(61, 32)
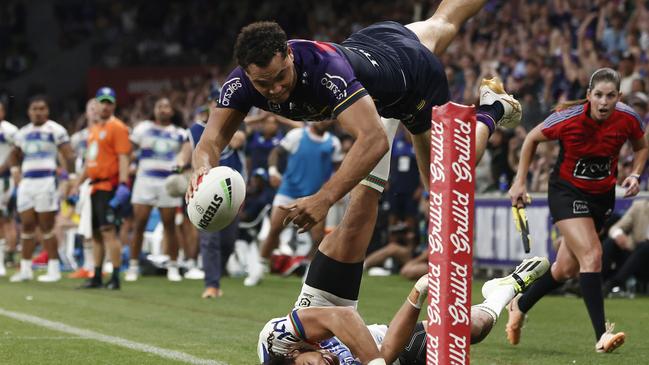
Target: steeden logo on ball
(215, 204)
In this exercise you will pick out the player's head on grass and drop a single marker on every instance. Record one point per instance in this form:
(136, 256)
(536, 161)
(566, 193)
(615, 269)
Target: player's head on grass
(262, 51)
(303, 357)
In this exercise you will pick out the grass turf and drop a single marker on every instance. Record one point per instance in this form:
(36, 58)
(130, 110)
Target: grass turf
(169, 315)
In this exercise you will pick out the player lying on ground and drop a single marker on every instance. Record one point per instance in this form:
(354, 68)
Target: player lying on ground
(333, 332)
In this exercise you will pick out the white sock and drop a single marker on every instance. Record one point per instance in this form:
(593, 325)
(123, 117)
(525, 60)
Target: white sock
(172, 263)
(88, 257)
(25, 266)
(191, 264)
(133, 264)
(53, 267)
(378, 177)
(497, 300)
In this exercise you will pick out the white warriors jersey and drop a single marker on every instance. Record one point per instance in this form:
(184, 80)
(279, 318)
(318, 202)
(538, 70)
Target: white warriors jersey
(285, 334)
(158, 148)
(40, 146)
(7, 135)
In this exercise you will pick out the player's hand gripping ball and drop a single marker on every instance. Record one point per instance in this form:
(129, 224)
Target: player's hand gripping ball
(217, 199)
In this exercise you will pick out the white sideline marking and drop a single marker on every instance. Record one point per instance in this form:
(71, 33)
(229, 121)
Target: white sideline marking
(87, 334)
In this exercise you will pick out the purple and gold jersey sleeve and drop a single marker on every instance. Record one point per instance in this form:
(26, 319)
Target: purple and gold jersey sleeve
(236, 92)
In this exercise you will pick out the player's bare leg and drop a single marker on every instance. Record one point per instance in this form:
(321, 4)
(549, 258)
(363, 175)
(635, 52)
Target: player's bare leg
(50, 242)
(141, 213)
(438, 31)
(167, 216)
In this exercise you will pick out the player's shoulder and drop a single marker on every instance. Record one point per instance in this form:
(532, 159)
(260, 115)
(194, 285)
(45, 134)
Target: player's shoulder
(143, 125)
(564, 115)
(295, 133)
(628, 112)
(7, 128)
(55, 127)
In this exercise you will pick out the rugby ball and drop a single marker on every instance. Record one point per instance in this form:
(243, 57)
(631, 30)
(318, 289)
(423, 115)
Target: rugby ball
(217, 199)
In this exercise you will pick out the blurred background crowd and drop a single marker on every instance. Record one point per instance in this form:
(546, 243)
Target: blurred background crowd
(543, 50)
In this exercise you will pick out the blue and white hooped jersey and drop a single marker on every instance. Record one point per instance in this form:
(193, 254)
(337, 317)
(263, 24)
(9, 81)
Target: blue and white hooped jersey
(40, 146)
(158, 147)
(7, 135)
(285, 334)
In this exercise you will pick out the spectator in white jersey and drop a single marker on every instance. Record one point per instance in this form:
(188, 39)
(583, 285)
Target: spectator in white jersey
(7, 133)
(38, 144)
(158, 144)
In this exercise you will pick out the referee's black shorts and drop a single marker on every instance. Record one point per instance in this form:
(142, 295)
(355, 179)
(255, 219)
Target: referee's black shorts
(102, 213)
(566, 201)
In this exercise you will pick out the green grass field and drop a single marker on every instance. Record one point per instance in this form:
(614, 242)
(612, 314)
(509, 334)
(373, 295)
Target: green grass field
(172, 316)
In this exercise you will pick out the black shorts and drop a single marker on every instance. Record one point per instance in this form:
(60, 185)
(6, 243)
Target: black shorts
(338, 278)
(566, 201)
(102, 213)
(404, 78)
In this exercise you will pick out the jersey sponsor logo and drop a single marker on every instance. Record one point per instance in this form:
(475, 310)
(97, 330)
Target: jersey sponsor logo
(593, 168)
(580, 207)
(334, 83)
(210, 212)
(228, 90)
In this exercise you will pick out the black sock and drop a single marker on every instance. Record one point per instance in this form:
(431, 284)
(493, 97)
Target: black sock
(115, 275)
(97, 276)
(591, 289)
(540, 288)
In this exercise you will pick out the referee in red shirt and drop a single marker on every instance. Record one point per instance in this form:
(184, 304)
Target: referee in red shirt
(581, 194)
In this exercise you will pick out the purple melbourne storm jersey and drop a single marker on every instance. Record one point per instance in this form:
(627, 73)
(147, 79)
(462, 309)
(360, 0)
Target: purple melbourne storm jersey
(325, 87)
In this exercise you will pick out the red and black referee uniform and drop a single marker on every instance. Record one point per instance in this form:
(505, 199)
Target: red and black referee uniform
(582, 183)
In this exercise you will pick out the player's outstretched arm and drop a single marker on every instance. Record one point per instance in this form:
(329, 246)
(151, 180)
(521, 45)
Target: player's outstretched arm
(343, 322)
(221, 125)
(404, 321)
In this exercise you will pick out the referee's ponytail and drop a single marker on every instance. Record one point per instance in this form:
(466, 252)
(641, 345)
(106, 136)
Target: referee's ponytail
(603, 74)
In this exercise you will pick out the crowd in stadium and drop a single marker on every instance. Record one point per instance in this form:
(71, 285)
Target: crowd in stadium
(544, 51)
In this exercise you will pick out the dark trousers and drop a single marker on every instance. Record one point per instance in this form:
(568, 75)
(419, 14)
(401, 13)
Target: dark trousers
(216, 248)
(627, 263)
